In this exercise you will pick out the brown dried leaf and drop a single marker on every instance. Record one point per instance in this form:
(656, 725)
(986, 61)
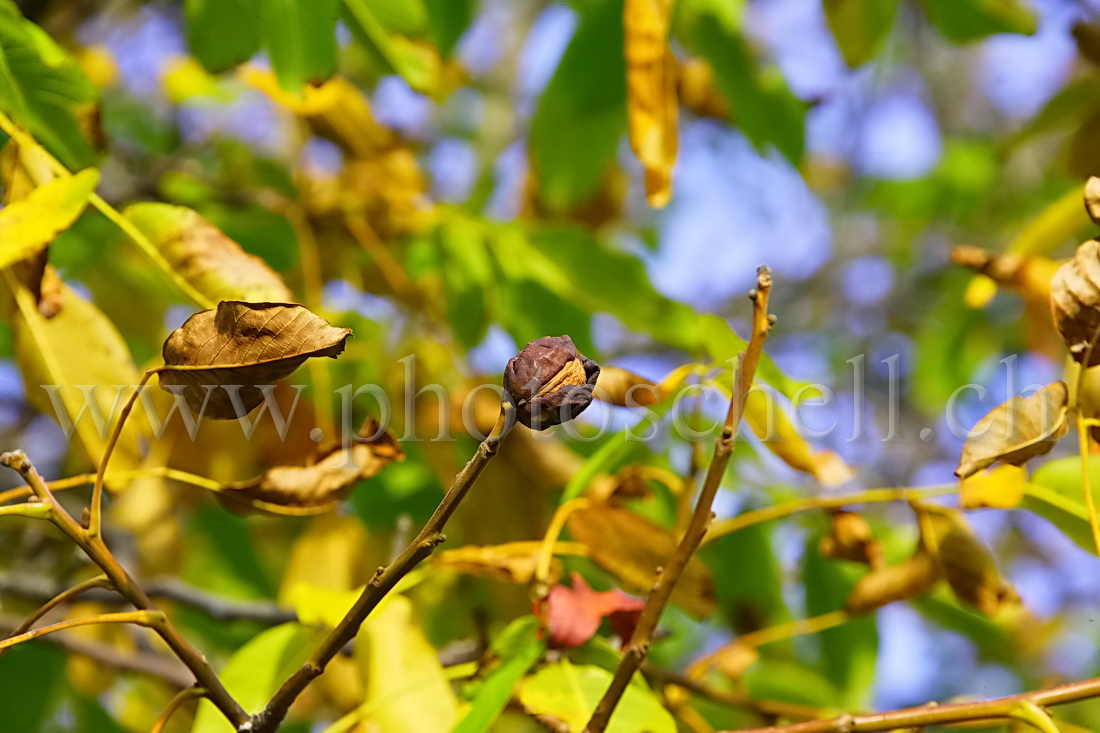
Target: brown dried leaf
(511, 562)
(631, 548)
(903, 582)
(1016, 431)
(964, 560)
(328, 476)
(1075, 302)
(210, 261)
(246, 345)
(1029, 275)
(851, 539)
(651, 93)
(1092, 198)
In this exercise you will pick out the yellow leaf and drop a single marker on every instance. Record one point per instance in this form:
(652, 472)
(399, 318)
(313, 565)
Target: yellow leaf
(632, 547)
(407, 690)
(779, 435)
(29, 225)
(330, 554)
(317, 606)
(1001, 487)
(80, 352)
(651, 93)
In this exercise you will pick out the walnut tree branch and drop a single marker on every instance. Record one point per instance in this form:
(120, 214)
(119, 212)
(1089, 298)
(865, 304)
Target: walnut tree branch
(385, 579)
(701, 518)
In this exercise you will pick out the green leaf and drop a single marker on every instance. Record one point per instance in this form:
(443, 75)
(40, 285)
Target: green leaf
(968, 20)
(256, 670)
(1056, 493)
(300, 37)
(789, 681)
(848, 651)
(571, 692)
(222, 33)
(448, 20)
(860, 26)
(519, 648)
(750, 593)
(28, 226)
(393, 53)
(400, 16)
(468, 278)
(599, 278)
(764, 109)
(32, 677)
(41, 86)
(582, 113)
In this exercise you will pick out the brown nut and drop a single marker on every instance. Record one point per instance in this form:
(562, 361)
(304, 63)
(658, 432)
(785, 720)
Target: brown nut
(549, 382)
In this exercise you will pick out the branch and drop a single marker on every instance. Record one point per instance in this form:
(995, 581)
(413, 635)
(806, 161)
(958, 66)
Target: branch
(169, 669)
(94, 548)
(385, 579)
(150, 619)
(100, 581)
(700, 519)
(182, 697)
(1004, 708)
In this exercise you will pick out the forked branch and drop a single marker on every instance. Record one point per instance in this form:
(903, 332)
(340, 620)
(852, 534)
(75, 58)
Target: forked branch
(701, 517)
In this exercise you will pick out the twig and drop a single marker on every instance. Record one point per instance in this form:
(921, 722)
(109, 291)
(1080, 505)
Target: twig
(810, 503)
(100, 581)
(638, 647)
(182, 697)
(95, 515)
(169, 669)
(1004, 708)
(385, 579)
(149, 619)
(125, 585)
(774, 708)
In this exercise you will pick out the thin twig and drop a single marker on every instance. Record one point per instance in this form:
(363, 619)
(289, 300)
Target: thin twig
(385, 579)
(100, 581)
(769, 635)
(1004, 708)
(95, 515)
(773, 708)
(182, 697)
(169, 669)
(701, 518)
(141, 618)
(810, 503)
(97, 551)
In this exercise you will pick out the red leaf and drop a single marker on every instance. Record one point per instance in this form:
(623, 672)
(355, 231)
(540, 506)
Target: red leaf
(572, 615)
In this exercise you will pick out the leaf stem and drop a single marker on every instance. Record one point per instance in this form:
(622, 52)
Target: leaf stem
(26, 140)
(701, 518)
(100, 581)
(141, 618)
(430, 537)
(96, 513)
(772, 634)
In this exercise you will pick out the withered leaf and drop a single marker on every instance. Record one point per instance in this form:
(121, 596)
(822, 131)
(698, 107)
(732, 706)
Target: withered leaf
(212, 262)
(964, 560)
(851, 539)
(573, 615)
(779, 435)
(651, 93)
(328, 476)
(1075, 302)
(632, 547)
(624, 388)
(902, 582)
(511, 562)
(1092, 198)
(243, 345)
(1016, 431)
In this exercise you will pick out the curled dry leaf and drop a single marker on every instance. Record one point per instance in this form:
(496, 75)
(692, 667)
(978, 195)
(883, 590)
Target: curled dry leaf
(1016, 431)
(624, 388)
(241, 347)
(213, 263)
(851, 539)
(328, 476)
(1075, 302)
(903, 582)
(651, 93)
(1029, 275)
(511, 562)
(964, 560)
(1092, 191)
(573, 615)
(631, 548)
